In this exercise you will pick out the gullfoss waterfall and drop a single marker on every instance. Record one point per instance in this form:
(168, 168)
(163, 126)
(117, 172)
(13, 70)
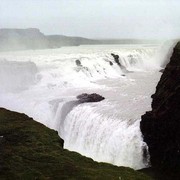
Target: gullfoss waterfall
(44, 85)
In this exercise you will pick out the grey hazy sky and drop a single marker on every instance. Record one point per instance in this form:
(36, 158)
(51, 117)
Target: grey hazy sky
(95, 18)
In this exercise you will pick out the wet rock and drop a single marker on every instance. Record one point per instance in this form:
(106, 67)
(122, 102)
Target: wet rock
(111, 63)
(78, 62)
(161, 126)
(116, 58)
(83, 98)
(162, 70)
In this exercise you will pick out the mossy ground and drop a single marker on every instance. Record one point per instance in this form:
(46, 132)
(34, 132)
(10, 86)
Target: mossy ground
(29, 150)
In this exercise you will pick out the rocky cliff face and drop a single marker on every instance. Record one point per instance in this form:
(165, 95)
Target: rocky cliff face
(161, 126)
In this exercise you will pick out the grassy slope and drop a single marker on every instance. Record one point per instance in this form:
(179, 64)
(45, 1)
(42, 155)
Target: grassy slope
(29, 150)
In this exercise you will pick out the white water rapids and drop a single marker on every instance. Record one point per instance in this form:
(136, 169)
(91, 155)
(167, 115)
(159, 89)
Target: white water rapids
(44, 85)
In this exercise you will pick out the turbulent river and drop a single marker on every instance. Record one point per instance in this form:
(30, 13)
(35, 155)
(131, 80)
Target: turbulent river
(44, 85)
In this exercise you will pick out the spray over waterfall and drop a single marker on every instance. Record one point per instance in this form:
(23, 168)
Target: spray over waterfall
(44, 85)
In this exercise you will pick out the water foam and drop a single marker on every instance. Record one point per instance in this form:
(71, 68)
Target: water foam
(46, 83)
(104, 137)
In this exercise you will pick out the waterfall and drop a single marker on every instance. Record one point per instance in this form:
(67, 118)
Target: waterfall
(44, 85)
(104, 137)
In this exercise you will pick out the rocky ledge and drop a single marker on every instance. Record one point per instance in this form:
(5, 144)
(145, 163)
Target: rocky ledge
(83, 98)
(29, 150)
(161, 126)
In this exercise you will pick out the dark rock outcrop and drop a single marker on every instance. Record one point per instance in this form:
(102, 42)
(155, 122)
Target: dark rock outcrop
(161, 126)
(116, 58)
(111, 63)
(83, 98)
(162, 70)
(78, 62)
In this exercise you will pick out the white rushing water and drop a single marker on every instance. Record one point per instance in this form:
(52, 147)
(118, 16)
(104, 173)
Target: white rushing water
(44, 85)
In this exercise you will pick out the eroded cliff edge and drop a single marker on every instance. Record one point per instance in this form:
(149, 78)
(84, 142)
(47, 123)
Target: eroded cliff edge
(29, 150)
(161, 126)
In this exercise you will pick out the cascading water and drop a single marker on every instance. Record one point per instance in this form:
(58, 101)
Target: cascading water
(104, 136)
(44, 84)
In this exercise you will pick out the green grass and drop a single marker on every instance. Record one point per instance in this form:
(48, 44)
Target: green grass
(29, 150)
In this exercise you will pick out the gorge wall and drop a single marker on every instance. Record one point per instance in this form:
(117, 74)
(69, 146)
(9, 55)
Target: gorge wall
(161, 126)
